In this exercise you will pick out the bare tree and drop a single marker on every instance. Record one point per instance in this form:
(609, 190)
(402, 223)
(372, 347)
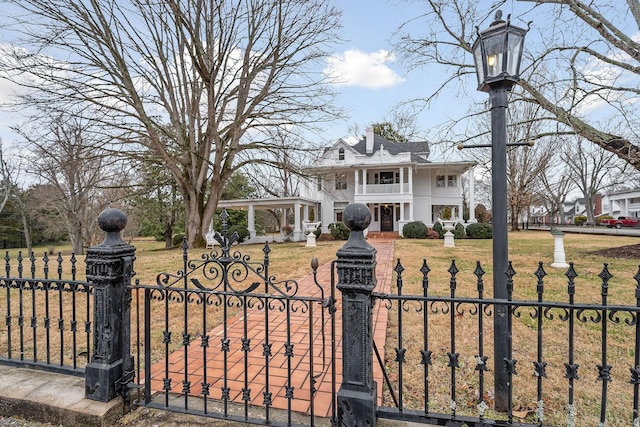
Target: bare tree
(5, 179)
(555, 187)
(69, 155)
(589, 168)
(194, 82)
(525, 164)
(585, 56)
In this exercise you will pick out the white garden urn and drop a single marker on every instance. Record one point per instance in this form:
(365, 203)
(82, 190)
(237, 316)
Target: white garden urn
(309, 229)
(449, 238)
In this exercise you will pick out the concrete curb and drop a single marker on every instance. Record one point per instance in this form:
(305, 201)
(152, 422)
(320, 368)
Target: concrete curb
(53, 398)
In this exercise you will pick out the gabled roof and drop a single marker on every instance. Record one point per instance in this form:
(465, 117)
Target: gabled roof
(393, 147)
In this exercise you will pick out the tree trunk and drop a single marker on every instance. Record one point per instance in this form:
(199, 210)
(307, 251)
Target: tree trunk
(76, 239)
(168, 237)
(26, 232)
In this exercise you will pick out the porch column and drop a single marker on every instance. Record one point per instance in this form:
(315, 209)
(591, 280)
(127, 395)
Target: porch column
(251, 219)
(109, 267)
(401, 182)
(401, 212)
(472, 195)
(297, 227)
(305, 213)
(364, 181)
(357, 180)
(356, 267)
(624, 207)
(411, 211)
(411, 180)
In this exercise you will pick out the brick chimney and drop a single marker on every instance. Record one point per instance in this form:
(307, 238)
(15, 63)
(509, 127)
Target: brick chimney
(597, 209)
(369, 141)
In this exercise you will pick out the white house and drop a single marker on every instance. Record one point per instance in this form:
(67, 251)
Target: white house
(397, 181)
(627, 203)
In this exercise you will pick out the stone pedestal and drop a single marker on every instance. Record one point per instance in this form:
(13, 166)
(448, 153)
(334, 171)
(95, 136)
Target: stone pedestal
(559, 259)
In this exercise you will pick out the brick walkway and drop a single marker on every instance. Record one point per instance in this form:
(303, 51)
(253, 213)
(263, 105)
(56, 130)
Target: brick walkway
(302, 365)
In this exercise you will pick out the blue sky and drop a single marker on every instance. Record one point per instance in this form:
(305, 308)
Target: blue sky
(376, 79)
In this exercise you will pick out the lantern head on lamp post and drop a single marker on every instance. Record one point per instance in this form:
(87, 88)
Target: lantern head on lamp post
(497, 53)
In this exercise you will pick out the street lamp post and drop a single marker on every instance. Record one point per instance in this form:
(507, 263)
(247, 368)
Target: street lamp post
(497, 53)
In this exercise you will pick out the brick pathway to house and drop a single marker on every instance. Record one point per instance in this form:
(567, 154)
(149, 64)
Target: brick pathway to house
(277, 337)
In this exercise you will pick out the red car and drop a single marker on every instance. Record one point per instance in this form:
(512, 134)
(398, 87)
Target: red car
(621, 221)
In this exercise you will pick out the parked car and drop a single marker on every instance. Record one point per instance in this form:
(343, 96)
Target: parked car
(621, 221)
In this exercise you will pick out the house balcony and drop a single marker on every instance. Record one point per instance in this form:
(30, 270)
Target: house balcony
(382, 189)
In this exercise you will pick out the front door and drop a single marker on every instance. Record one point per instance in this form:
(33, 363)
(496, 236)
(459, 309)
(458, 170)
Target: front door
(386, 218)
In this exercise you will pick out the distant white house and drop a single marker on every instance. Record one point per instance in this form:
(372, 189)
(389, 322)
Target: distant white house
(627, 203)
(397, 181)
(621, 203)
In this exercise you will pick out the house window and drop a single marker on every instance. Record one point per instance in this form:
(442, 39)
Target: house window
(452, 181)
(440, 182)
(375, 214)
(341, 154)
(386, 177)
(341, 181)
(319, 183)
(338, 208)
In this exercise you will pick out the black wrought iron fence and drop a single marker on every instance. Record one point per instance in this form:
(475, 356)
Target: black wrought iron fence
(47, 314)
(574, 362)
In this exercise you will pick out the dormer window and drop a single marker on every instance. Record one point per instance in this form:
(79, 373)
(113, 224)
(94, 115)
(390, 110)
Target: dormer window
(341, 154)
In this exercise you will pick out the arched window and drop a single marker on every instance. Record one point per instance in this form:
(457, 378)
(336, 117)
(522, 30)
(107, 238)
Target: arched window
(341, 154)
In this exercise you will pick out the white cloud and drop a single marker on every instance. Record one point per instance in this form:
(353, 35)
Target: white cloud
(357, 68)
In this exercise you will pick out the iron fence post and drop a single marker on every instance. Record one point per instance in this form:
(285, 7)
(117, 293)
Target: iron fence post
(109, 267)
(356, 280)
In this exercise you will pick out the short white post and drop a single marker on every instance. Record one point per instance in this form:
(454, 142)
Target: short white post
(559, 259)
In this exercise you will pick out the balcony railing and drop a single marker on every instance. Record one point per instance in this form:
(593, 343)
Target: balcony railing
(383, 188)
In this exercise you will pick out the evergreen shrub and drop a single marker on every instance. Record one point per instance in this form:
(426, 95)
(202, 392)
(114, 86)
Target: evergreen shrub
(437, 227)
(243, 232)
(339, 231)
(580, 220)
(480, 230)
(415, 230)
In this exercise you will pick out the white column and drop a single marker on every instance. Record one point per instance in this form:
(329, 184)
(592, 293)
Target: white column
(297, 228)
(364, 181)
(411, 180)
(251, 214)
(472, 195)
(357, 180)
(305, 213)
(401, 181)
(610, 206)
(411, 211)
(401, 212)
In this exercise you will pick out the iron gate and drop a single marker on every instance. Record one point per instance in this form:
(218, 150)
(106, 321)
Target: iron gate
(223, 338)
